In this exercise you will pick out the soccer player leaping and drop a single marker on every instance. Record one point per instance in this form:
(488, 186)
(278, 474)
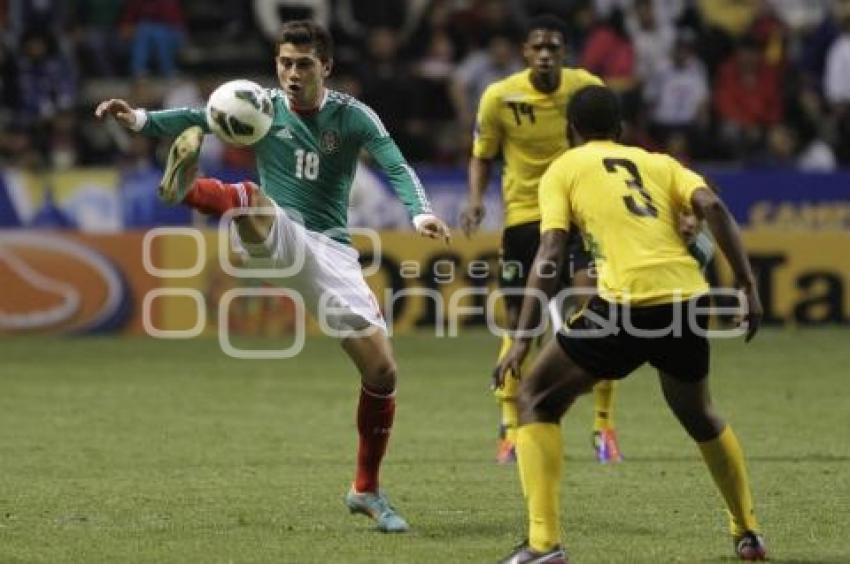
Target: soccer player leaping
(650, 308)
(306, 163)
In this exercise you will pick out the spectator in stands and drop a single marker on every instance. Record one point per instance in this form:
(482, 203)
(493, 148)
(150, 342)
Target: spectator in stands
(652, 39)
(479, 20)
(46, 79)
(678, 94)
(836, 78)
(355, 18)
(610, 54)
(747, 97)
(46, 16)
(801, 16)
(155, 25)
(478, 70)
(785, 149)
(733, 17)
(99, 44)
(8, 83)
(389, 88)
(270, 15)
(523, 10)
(837, 81)
(433, 73)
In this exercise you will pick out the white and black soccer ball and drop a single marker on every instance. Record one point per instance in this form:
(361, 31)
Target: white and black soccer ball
(240, 112)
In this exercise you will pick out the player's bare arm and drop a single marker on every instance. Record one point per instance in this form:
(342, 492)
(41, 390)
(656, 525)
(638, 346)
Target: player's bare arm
(544, 277)
(479, 177)
(709, 207)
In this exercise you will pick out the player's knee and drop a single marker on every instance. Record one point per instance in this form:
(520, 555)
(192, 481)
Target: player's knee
(537, 408)
(701, 424)
(382, 377)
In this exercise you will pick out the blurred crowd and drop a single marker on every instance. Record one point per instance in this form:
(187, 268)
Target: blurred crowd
(755, 83)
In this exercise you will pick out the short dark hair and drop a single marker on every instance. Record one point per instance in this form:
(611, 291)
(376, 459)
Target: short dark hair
(546, 22)
(306, 32)
(594, 112)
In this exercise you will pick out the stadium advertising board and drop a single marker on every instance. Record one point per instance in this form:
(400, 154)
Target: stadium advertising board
(170, 282)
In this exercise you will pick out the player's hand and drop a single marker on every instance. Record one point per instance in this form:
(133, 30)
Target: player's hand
(510, 363)
(471, 218)
(754, 312)
(119, 109)
(433, 227)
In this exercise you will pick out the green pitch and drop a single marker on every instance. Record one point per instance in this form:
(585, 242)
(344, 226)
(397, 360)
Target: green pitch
(139, 450)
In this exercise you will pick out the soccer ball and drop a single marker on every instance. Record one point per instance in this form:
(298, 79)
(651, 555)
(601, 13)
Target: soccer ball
(240, 112)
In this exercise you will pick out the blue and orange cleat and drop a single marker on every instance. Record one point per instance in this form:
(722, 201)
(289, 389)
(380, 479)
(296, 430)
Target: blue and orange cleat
(506, 453)
(376, 506)
(606, 447)
(522, 554)
(750, 546)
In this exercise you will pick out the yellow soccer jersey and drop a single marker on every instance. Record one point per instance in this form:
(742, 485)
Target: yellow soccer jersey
(626, 202)
(529, 128)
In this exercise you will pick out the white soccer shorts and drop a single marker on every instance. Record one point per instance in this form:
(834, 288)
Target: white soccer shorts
(325, 272)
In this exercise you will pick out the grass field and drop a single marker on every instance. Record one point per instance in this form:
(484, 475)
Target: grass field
(138, 450)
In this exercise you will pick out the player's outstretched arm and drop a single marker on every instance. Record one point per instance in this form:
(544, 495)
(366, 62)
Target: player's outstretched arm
(479, 178)
(122, 111)
(161, 123)
(709, 207)
(543, 279)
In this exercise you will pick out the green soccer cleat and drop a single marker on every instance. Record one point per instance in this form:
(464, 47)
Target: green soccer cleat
(181, 169)
(376, 506)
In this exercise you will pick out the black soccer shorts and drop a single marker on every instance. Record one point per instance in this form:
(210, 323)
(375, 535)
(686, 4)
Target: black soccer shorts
(612, 340)
(519, 247)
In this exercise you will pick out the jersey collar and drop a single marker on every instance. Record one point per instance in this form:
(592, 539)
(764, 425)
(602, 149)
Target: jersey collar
(319, 109)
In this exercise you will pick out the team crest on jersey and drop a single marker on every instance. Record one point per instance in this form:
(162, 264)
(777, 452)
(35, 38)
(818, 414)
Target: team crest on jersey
(330, 141)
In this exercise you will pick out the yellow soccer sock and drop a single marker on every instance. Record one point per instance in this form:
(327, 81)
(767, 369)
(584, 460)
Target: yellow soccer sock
(539, 457)
(507, 396)
(725, 461)
(603, 405)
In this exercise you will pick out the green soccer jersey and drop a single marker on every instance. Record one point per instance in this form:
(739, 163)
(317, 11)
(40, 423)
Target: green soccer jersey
(306, 162)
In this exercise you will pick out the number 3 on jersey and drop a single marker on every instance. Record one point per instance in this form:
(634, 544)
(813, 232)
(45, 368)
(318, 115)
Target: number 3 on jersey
(636, 183)
(306, 164)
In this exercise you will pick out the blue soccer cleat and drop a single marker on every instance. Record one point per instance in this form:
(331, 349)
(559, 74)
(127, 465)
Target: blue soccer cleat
(181, 168)
(376, 506)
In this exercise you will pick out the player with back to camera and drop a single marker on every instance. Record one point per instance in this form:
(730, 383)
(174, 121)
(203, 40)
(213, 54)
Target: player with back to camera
(306, 163)
(626, 202)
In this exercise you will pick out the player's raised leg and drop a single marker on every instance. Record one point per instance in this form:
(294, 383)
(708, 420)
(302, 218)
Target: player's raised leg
(691, 403)
(545, 395)
(373, 356)
(180, 184)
